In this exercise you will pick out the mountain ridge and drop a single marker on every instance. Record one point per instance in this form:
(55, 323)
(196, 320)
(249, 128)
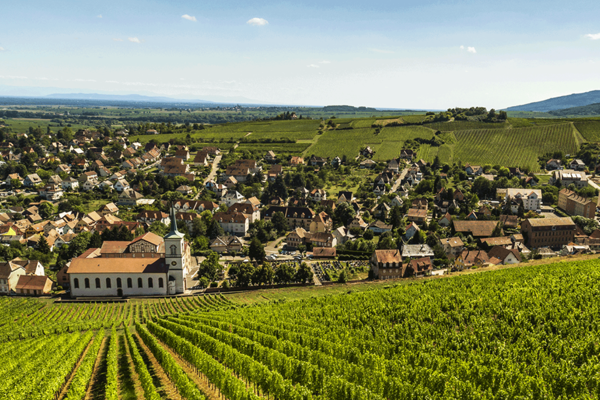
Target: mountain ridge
(560, 102)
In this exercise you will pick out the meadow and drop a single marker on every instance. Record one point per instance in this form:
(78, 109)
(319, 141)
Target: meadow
(521, 332)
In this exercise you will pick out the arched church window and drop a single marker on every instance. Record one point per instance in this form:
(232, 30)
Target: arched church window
(173, 250)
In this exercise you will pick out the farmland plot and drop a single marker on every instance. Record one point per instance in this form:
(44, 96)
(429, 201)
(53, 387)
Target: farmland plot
(513, 147)
(590, 130)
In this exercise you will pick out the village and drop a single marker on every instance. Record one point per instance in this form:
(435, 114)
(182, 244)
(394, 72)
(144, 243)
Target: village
(98, 215)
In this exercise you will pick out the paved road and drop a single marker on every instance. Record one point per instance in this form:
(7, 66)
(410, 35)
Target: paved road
(399, 180)
(213, 170)
(271, 247)
(593, 184)
(212, 175)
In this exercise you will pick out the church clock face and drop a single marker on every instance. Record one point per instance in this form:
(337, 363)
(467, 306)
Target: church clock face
(174, 263)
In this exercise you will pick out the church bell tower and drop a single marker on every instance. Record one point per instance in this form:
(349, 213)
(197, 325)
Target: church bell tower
(174, 257)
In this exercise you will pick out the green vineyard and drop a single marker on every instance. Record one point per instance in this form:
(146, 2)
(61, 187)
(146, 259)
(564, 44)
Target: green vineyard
(517, 147)
(519, 333)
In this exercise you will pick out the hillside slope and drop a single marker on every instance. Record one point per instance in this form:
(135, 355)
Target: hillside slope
(562, 102)
(589, 110)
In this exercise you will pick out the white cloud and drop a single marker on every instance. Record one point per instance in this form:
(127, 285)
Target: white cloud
(2, 49)
(117, 40)
(257, 22)
(312, 66)
(382, 51)
(134, 40)
(324, 62)
(189, 17)
(100, 16)
(593, 36)
(471, 50)
(462, 47)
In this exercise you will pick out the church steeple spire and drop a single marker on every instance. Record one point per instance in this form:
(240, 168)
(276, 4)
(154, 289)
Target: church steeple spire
(174, 232)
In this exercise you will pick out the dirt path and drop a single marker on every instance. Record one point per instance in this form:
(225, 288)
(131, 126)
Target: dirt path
(95, 389)
(208, 389)
(65, 387)
(130, 387)
(164, 386)
(315, 140)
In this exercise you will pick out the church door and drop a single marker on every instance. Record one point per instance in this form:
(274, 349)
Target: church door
(120, 292)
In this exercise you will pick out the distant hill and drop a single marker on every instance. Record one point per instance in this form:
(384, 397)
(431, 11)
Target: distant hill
(560, 103)
(589, 110)
(348, 108)
(120, 97)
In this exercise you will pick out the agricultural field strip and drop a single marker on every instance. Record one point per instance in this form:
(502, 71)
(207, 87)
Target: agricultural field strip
(522, 331)
(514, 147)
(300, 372)
(233, 386)
(183, 382)
(141, 369)
(332, 365)
(79, 385)
(61, 318)
(44, 374)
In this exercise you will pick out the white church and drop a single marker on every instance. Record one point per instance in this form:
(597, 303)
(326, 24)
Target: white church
(147, 266)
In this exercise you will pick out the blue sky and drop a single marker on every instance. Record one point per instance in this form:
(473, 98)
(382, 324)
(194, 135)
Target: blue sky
(427, 54)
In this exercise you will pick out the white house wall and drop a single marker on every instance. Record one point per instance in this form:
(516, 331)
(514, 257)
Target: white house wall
(112, 291)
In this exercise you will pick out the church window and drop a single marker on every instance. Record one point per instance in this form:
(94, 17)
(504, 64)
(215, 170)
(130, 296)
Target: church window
(161, 282)
(150, 282)
(129, 283)
(108, 284)
(173, 250)
(76, 283)
(140, 283)
(87, 283)
(119, 283)
(97, 283)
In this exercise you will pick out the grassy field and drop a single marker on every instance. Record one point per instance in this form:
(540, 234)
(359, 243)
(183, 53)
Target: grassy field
(20, 125)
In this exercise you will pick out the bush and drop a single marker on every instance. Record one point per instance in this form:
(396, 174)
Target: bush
(214, 284)
(203, 282)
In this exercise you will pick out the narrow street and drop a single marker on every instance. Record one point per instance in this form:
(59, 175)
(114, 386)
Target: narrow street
(399, 180)
(212, 175)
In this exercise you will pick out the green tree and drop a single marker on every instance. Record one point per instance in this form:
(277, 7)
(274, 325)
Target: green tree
(280, 222)
(210, 267)
(244, 275)
(159, 228)
(43, 245)
(79, 244)
(284, 274)
(46, 210)
(343, 277)
(396, 217)
(96, 240)
(263, 274)
(304, 274)
(256, 251)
